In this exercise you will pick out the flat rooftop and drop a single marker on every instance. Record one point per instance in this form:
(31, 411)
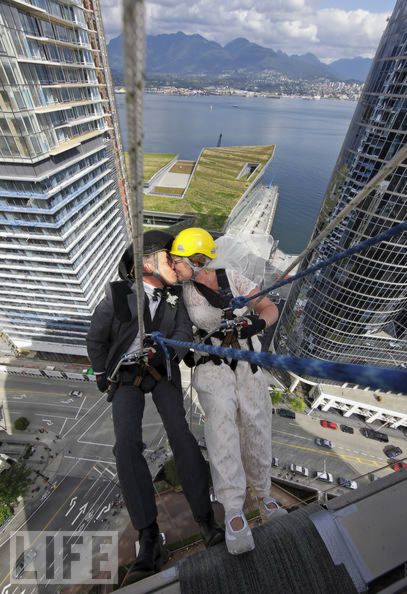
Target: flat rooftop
(217, 184)
(154, 162)
(368, 397)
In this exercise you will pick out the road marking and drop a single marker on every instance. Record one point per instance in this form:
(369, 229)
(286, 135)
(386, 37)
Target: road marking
(90, 426)
(82, 510)
(80, 408)
(292, 435)
(44, 529)
(337, 447)
(48, 422)
(88, 460)
(151, 425)
(22, 510)
(43, 404)
(53, 416)
(63, 425)
(104, 510)
(96, 443)
(79, 420)
(71, 506)
(326, 453)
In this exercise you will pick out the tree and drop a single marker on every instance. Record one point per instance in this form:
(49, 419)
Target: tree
(297, 403)
(276, 396)
(13, 484)
(170, 473)
(5, 513)
(21, 423)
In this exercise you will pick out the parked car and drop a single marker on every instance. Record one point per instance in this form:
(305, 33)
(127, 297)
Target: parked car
(399, 466)
(329, 424)
(284, 412)
(392, 451)
(324, 476)
(373, 434)
(274, 462)
(24, 559)
(299, 470)
(325, 443)
(75, 394)
(347, 429)
(344, 482)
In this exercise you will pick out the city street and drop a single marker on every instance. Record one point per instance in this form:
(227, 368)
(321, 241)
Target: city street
(353, 455)
(80, 434)
(82, 493)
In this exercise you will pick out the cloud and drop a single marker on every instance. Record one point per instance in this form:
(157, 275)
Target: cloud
(295, 26)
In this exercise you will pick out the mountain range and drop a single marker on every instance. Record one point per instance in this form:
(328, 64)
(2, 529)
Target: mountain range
(185, 55)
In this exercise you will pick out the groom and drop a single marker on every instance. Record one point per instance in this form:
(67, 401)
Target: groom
(113, 332)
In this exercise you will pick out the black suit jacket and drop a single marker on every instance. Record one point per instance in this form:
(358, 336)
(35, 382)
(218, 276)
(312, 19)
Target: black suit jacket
(114, 325)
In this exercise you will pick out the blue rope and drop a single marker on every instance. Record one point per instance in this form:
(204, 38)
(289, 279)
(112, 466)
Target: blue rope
(239, 302)
(378, 378)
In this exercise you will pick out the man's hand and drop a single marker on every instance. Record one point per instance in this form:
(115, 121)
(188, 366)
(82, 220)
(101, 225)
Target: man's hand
(189, 359)
(102, 382)
(253, 326)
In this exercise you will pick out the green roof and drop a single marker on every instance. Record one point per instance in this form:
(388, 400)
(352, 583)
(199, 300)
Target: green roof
(215, 188)
(153, 162)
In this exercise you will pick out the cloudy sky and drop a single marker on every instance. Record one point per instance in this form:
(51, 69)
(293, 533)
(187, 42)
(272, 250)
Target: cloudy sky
(330, 29)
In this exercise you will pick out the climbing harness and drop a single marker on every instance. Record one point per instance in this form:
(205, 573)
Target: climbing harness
(139, 362)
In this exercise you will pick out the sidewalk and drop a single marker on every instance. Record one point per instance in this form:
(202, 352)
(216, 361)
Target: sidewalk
(44, 463)
(27, 366)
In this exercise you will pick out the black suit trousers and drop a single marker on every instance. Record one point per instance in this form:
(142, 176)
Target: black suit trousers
(132, 469)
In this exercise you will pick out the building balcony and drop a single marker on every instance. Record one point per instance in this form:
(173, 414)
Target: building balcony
(60, 42)
(69, 105)
(61, 204)
(48, 194)
(75, 141)
(45, 62)
(41, 13)
(79, 122)
(63, 85)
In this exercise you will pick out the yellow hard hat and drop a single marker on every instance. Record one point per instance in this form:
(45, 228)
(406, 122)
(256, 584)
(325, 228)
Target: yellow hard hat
(194, 241)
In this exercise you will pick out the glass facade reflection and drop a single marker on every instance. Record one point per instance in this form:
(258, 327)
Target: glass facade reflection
(355, 310)
(61, 186)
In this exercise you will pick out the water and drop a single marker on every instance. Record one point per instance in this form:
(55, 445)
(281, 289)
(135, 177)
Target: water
(308, 136)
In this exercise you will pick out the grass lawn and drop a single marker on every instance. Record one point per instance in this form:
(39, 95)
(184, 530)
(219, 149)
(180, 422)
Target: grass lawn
(183, 167)
(164, 190)
(153, 162)
(214, 189)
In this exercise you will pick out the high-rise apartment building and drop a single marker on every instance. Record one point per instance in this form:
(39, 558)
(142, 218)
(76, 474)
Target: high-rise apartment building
(62, 190)
(356, 310)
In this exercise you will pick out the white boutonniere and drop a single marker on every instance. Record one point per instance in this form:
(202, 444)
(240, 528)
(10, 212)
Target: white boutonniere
(172, 299)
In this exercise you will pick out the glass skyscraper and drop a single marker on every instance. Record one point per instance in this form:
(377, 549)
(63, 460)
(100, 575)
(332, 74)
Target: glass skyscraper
(356, 310)
(62, 190)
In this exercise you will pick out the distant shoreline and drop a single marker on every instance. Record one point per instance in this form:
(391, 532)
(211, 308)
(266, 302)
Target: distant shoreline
(236, 93)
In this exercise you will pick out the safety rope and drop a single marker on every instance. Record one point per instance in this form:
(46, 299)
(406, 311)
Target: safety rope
(134, 48)
(241, 301)
(378, 378)
(375, 377)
